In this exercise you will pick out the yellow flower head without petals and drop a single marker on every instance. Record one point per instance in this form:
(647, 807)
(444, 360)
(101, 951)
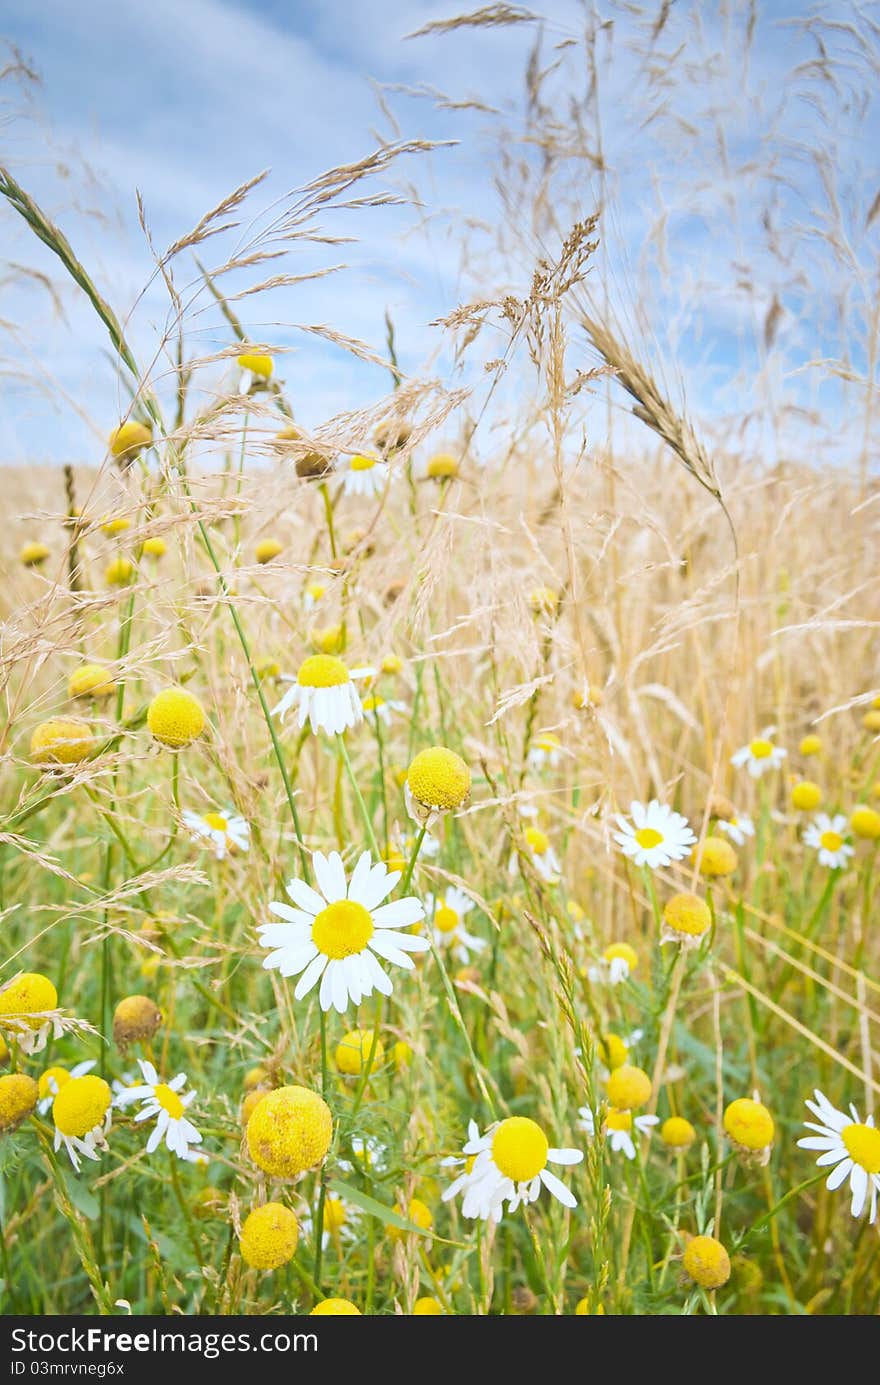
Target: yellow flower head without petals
(175, 718)
(129, 438)
(335, 1308)
(628, 1087)
(269, 1236)
(806, 796)
(715, 858)
(81, 1104)
(90, 680)
(749, 1125)
(706, 1262)
(18, 1098)
(439, 779)
(289, 1131)
(353, 1051)
(61, 741)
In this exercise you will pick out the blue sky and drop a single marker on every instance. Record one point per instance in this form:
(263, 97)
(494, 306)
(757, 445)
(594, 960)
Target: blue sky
(183, 101)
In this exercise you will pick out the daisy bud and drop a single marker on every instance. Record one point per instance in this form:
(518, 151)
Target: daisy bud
(437, 781)
(289, 1131)
(677, 1133)
(129, 439)
(628, 1087)
(806, 796)
(749, 1126)
(707, 1262)
(427, 1307)
(61, 741)
(335, 1308)
(175, 718)
(267, 549)
(118, 572)
(18, 1099)
(353, 1051)
(865, 822)
(90, 680)
(33, 554)
(269, 1236)
(135, 1020)
(715, 857)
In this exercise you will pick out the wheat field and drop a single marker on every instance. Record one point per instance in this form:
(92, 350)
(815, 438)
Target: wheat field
(438, 847)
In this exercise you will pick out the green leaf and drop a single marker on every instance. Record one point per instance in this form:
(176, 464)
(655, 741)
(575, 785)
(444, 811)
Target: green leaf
(82, 1197)
(386, 1215)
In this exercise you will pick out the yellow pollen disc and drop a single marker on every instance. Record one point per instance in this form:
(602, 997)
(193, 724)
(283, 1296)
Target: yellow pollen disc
(619, 1120)
(760, 749)
(832, 841)
(322, 671)
(547, 743)
(648, 837)
(863, 1146)
(169, 1101)
(519, 1149)
(81, 1104)
(342, 929)
(52, 1080)
(446, 920)
(359, 463)
(216, 821)
(537, 840)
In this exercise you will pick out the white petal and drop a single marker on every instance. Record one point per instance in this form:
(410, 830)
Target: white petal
(558, 1188)
(838, 1175)
(565, 1156)
(307, 898)
(310, 976)
(400, 913)
(330, 875)
(385, 945)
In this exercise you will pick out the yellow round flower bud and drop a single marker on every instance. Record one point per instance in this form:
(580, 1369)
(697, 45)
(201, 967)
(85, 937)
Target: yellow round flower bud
(81, 1104)
(61, 741)
(175, 718)
(707, 1262)
(443, 466)
(115, 524)
(393, 434)
(438, 779)
(677, 1133)
(749, 1124)
(628, 1088)
(135, 1019)
(810, 745)
(18, 1098)
(289, 1131)
(90, 680)
(257, 364)
(865, 822)
(31, 994)
(209, 1203)
(806, 796)
(335, 1308)
(256, 1077)
(353, 1051)
(267, 549)
(688, 915)
(391, 664)
(33, 554)
(613, 1051)
(118, 572)
(250, 1103)
(402, 1054)
(419, 1214)
(334, 1214)
(269, 1236)
(871, 721)
(129, 439)
(155, 547)
(427, 1307)
(715, 857)
(327, 639)
(622, 952)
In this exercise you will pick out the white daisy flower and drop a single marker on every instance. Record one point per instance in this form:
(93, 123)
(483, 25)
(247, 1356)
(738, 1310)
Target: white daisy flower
(826, 835)
(53, 1079)
(509, 1164)
(337, 936)
(364, 475)
(737, 828)
(852, 1147)
(226, 832)
(619, 1126)
(546, 750)
(340, 1220)
(541, 854)
(324, 695)
(163, 1100)
(82, 1111)
(312, 595)
(447, 913)
(656, 837)
(373, 705)
(759, 756)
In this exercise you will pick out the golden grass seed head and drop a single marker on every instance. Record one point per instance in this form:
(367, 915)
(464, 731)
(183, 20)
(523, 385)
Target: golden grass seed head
(90, 680)
(439, 779)
(19, 1095)
(175, 718)
(677, 1133)
(353, 1051)
(806, 796)
(268, 1236)
(335, 1308)
(135, 1020)
(865, 822)
(33, 554)
(289, 1131)
(706, 1262)
(81, 1105)
(130, 438)
(749, 1125)
(628, 1087)
(61, 741)
(715, 858)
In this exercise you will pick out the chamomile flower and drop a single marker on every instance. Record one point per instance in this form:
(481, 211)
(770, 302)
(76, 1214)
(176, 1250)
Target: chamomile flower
(53, 1079)
(759, 756)
(827, 836)
(619, 1126)
(737, 828)
(364, 475)
(509, 1165)
(312, 595)
(852, 1146)
(619, 961)
(324, 695)
(375, 706)
(82, 1111)
(225, 832)
(656, 836)
(167, 1103)
(340, 1221)
(546, 750)
(540, 852)
(447, 913)
(338, 935)
(26, 1011)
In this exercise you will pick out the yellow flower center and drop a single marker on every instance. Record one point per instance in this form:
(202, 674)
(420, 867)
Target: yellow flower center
(216, 821)
(648, 837)
(832, 841)
(52, 1080)
(169, 1101)
(342, 929)
(537, 840)
(322, 671)
(334, 1214)
(619, 1120)
(446, 920)
(519, 1149)
(81, 1104)
(863, 1146)
(359, 463)
(761, 749)
(438, 778)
